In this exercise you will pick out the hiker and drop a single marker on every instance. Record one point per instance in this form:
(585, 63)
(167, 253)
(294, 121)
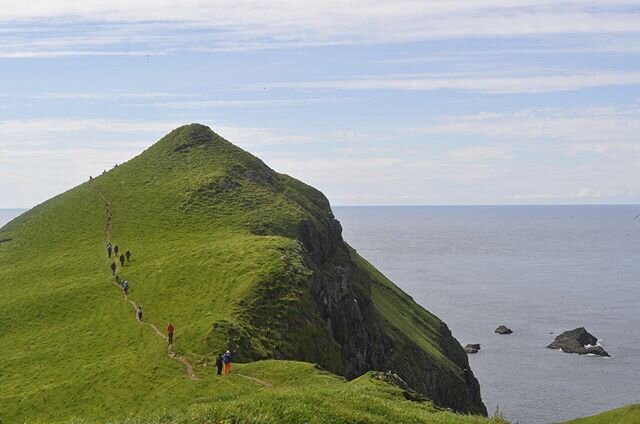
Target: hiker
(125, 287)
(121, 260)
(170, 333)
(113, 268)
(109, 248)
(226, 360)
(219, 363)
(115, 250)
(128, 255)
(139, 312)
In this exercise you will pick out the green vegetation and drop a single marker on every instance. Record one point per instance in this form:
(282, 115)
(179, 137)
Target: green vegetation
(214, 236)
(300, 393)
(626, 415)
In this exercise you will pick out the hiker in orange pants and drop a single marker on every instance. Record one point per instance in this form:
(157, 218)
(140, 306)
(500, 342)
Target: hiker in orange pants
(226, 360)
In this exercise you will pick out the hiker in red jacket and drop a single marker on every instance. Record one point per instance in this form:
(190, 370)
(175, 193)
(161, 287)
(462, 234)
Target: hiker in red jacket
(170, 333)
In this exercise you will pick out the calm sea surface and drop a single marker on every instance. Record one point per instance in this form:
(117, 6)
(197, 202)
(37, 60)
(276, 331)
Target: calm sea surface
(539, 270)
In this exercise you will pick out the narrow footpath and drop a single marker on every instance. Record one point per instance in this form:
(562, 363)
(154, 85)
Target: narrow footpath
(108, 229)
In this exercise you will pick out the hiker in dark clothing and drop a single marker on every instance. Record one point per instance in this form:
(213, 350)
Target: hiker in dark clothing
(128, 255)
(121, 260)
(113, 268)
(109, 248)
(219, 364)
(139, 312)
(170, 333)
(125, 287)
(115, 250)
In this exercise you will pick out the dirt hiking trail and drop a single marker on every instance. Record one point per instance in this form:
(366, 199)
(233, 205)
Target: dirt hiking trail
(108, 229)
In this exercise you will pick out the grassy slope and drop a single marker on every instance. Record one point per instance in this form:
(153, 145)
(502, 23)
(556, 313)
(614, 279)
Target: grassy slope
(300, 393)
(399, 311)
(626, 415)
(71, 346)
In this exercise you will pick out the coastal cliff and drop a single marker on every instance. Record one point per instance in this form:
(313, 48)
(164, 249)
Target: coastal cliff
(341, 313)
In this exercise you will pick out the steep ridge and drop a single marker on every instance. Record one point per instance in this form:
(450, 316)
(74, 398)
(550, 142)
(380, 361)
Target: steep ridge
(240, 257)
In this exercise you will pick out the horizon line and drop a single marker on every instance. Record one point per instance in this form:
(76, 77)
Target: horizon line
(430, 205)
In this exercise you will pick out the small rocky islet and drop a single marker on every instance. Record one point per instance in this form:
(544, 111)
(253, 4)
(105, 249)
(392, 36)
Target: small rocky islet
(503, 329)
(472, 348)
(578, 341)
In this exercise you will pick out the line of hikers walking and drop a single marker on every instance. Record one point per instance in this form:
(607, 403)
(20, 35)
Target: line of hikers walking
(223, 361)
(125, 256)
(124, 284)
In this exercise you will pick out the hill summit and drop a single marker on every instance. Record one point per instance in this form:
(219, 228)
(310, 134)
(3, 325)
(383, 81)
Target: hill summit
(234, 254)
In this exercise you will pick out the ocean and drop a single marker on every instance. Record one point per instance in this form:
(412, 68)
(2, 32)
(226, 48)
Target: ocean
(540, 270)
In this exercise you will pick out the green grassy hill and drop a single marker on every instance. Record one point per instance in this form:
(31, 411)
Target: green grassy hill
(235, 256)
(626, 415)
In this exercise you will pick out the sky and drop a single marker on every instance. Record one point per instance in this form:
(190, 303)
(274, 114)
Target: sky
(390, 102)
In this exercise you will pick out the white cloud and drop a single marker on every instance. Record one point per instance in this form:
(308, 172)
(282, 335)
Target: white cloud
(627, 44)
(50, 129)
(32, 133)
(472, 82)
(337, 169)
(479, 153)
(584, 193)
(241, 103)
(115, 95)
(248, 137)
(121, 26)
(39, 158)
(603, 126)
(27, 53)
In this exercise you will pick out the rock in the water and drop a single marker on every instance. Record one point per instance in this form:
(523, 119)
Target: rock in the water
(503, 329)
(578, 341)
(472, 348)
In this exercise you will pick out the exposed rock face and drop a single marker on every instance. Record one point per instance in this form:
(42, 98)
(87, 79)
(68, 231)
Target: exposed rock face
(472, 348)
(578, 341)
(503, 329)
(343, 293)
